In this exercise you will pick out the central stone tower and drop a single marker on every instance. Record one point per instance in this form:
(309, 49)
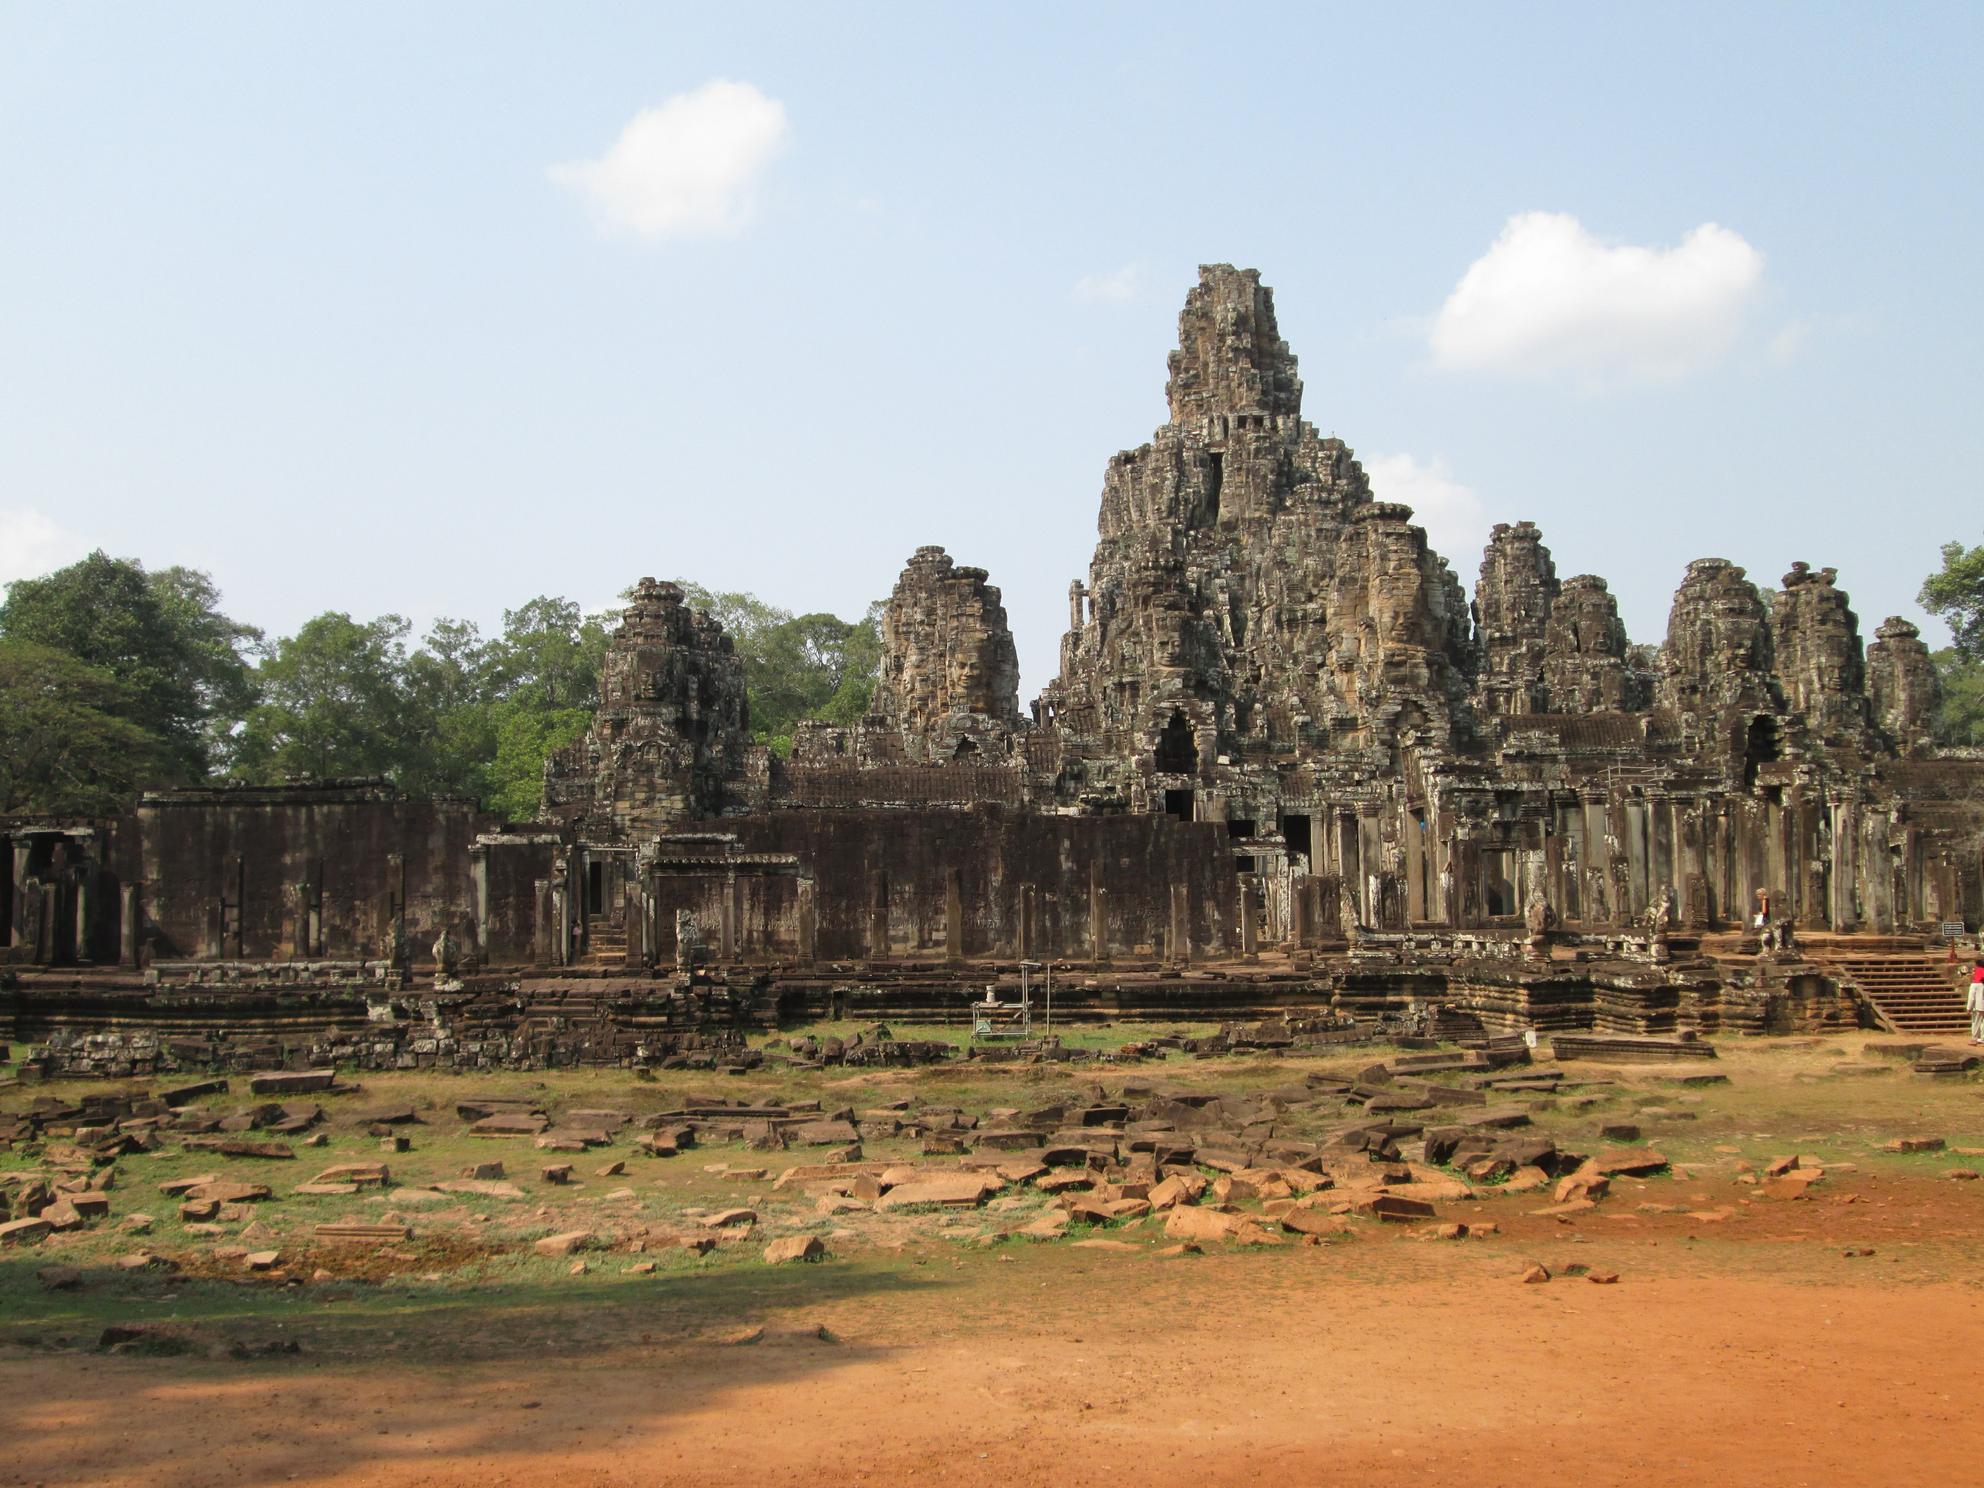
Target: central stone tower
(1248, 599)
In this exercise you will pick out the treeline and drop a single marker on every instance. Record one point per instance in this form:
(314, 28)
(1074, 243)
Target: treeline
(1955, 594)
(115, 679)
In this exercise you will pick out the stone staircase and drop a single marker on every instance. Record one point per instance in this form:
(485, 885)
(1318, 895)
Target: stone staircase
(607, 950)
(1909, 993)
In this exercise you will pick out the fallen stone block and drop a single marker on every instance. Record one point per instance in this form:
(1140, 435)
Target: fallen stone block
(482, 1188)
(24, 1231)
(559, 1246)
(292, 1082)
(363, 1175)
(795, 1248)
(1394, 1208)
(947, 1190)
(1190, 1222)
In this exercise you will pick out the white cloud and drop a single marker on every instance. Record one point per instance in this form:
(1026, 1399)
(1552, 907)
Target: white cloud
(687, 168)
(32, 545)
(1455, 522)
(1549, 297)
(1112, 288)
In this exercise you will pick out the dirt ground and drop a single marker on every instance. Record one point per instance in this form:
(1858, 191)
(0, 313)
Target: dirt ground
(1223, 1372)
(1830, 1339)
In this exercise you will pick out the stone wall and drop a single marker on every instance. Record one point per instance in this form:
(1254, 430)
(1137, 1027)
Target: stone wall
(348, 870)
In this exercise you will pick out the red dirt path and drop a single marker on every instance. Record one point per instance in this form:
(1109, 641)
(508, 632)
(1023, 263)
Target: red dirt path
(1205, 1371)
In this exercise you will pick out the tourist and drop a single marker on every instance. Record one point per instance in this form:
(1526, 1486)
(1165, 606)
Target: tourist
(1975, 1002)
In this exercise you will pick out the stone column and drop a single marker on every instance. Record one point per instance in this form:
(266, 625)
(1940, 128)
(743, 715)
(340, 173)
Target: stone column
(478, 860)
(809, 922)
(1027, 938)
(131, 925)
(727, 927)
(633, 915)
(1845, 864)
(1415, 867)
(46, 937)
(85, 913)
(878, 916)
(1180, 947)
(17, 931)
(540, 926)
(1098, 917)
(1250, 934)
(954, 914)
(1301, 920)
(561, 922)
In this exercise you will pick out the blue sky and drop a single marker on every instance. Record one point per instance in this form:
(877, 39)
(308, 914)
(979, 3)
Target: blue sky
(435, 308)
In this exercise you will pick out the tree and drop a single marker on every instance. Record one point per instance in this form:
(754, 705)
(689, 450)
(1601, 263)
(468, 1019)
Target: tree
(1955, 594)
(181, 666)
(550, 654)
(796, 667)
(1961, 718)
(525, 737)
(67, 745)
(861, 664)
(337, 701)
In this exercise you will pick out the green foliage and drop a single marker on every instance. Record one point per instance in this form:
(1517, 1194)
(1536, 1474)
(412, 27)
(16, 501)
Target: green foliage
(115, 679)
(796, 667)
(337, 700)
(180, 665)
(67, 745)
(550, 655)
(1961, 719)
(525, 737)
(1955, 594)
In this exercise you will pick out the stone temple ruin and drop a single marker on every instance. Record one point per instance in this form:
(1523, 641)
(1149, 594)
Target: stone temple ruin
(1285, 763)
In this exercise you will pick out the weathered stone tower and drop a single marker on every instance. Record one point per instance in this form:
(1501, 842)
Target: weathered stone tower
(672, 735)
(950, 675)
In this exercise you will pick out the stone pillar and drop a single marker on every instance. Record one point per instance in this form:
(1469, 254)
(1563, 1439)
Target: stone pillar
(1028, 946)
(1371, 855)
(1250, 934)
(1301, 919)
(541, 922)
(84, 921)
(808, 923)
(1098, 917)
(1180, 946)
(1415, 867)
(1845, 864)
(1638, 838)
(131, 925)
(46, 937)
(954, 914)
(213, 931)
(478, 860)
(1350, 866)
(561, 922)
(296, 922)
(727, 927)
(17, 930)
(633, 915)
(1877, 871)
(878, 916)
